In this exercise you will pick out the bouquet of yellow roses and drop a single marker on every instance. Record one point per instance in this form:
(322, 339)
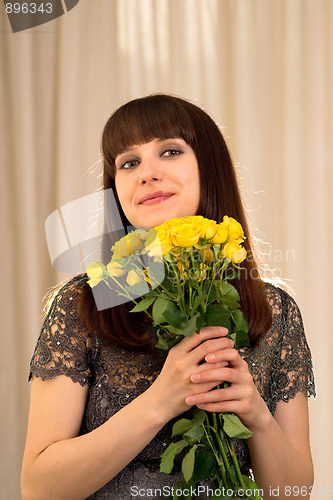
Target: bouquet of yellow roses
(198, 256)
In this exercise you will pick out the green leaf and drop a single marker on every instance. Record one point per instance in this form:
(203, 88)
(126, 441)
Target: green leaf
(188, 463)
(232, 276)
(138, 290)
(212, 295)
(190, 327)
(196, 432)
(156, 271)
(216, 315)
(172, 329)
(199, 416)
(229, 301)
(167, 285)
(160, 306)
(205, 287)
(200, 322)
(234, 428)
(200, 299)
(203, 465)
(161, 343)
(241, 339)
(250, 484)
(181, 426)
(233, 474)
(190, 441)
(228, 288)
(176, 318)
(168, 456)
(174, 341)
(143, 305)
(240, 320)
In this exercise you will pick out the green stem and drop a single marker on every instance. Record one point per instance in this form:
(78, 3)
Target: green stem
(232, 452)
(220, 463)
(179, 289)
(219, 439)
(190, 298)
(211, 278)
(126, 293)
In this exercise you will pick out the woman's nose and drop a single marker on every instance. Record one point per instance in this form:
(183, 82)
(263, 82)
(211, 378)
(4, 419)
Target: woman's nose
(149, 171)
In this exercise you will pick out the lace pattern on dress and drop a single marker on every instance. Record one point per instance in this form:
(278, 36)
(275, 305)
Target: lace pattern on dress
(280, 365)
(63, 346)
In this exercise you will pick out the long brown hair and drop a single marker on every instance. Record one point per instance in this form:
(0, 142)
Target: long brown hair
(164, 116)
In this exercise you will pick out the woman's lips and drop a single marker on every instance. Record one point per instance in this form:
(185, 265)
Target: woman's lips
(156, 197)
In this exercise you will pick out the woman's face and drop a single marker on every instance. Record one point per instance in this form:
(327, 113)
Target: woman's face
(157, 181)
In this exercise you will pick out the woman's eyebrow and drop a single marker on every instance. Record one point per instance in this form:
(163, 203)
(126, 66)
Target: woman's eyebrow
(126, 150)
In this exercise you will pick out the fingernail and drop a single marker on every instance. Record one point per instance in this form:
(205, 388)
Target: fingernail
(190, 400)
(224, 330)
(201, 406)
(195, 378)
(210, 357)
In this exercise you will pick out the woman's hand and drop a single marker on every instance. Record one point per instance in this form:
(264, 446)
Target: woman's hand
(173, 385)
(241, 397)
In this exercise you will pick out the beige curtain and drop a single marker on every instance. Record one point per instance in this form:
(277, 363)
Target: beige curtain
(262, 68)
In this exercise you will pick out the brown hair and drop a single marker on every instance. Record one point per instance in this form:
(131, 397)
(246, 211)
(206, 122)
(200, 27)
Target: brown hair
(164, 116)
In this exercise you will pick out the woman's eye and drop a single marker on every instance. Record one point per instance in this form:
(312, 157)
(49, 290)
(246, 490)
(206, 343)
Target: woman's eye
(172, 152)
(128, 164)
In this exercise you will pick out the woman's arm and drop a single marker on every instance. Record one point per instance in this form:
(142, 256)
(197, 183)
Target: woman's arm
(59, 464)
(280, 450)
(279, 447)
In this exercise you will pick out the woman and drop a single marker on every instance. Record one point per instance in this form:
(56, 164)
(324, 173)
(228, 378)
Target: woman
(103, 399)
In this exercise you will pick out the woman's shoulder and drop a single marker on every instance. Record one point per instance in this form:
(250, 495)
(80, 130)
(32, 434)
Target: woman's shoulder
(61, 310)
(280, 301)
(63, 346)
(65, 293)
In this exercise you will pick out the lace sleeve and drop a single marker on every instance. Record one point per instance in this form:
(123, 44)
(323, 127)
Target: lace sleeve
(293, 358)
(63, 344)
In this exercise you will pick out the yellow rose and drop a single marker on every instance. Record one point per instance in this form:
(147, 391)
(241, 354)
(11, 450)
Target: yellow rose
(158, 242)
(128, 244)
(115, 269)
(133, 278)
(94, 281)
(222, 233)
(95, 271)
(235, 229)
(208, 227)
(185, 235)
(234, 251)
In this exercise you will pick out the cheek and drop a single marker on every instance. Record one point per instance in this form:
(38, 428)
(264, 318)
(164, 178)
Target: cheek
(193, 183)
(121, 191)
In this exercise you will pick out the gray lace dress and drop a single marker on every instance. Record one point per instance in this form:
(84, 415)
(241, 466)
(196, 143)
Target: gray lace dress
(280, 365)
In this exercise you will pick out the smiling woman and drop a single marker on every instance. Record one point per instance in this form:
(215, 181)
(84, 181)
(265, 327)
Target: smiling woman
(104, 399)
(163, 172)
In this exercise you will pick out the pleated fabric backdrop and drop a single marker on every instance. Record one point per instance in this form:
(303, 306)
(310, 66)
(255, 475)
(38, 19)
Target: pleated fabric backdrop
(262, 68)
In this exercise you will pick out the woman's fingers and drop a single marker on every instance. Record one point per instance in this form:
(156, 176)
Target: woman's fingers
(217, 375)
(231, 356)
(233, 370)
(187, 344)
